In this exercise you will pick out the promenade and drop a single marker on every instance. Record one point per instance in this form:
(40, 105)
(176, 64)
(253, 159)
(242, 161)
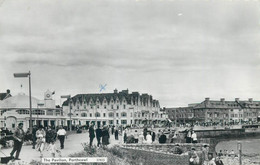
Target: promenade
(72, 145)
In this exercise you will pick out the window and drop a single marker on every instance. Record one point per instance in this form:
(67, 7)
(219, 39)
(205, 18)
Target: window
(57, 112)
(91, 107)
(142, 114)
(116, 114)
(123, 121)
(117, 107)
(112, 107)
(104, 114)
(83, 115)
(97, 114)
(123, 114)
(90, 114)
(111, 114)
(98, 106)
(39, 112)
(85, 107)
(124, 106)
(105, 106)
(21, 111)
(77, 106)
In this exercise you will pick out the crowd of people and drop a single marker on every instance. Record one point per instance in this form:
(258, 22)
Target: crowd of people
(42, 139)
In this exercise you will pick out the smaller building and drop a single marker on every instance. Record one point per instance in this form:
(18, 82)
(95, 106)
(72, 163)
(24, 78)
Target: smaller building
(217, 112)
(16, 109)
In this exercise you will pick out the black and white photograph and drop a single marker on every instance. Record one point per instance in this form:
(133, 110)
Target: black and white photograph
(130, 82)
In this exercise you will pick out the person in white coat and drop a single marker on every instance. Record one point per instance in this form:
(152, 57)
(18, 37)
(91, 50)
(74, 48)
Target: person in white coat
(149, 138)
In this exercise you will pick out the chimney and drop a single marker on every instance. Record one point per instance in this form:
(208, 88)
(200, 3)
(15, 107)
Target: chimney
(8, 91)
(207, 99)
(237, 99)
(222, 100)
(115, 91)
(250, 100)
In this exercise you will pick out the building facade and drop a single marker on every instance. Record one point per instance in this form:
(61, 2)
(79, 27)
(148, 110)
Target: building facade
(117, 108)
(16, 109)
(217, 111)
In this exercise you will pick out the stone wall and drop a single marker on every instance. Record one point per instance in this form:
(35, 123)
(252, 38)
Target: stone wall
(147, 157)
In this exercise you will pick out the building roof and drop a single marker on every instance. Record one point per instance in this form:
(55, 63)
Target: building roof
(123, 95)
(5, 95)
(19, 101)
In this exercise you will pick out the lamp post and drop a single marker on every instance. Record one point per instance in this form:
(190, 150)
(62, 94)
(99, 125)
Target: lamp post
(68, 98)
(22, 75)
(38, 104)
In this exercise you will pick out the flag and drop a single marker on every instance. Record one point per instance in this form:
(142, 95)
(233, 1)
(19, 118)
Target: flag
(53, 92)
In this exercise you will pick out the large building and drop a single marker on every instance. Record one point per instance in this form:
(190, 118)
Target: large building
(16, 109)
(217, 111)
(117, 108)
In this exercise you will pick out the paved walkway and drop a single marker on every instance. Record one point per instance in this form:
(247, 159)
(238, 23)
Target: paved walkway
(72, 145)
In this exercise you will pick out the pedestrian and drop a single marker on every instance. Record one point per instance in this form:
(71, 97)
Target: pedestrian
(205, 153)
(53, 149)
(34, 138)
(162, 138)
(40, 134)
(124, 135)
(211, 160)
(91, 134)
(105, 136)
(218, 161)
(18, 141)
(50, 136)
(194, 158)
(194, 137)
(149, 138)
(61, 136)
(112, 130)
(153, 136)
(116, 134)
(145, 133)
(140, 138)
(188, 136)
(99, 135)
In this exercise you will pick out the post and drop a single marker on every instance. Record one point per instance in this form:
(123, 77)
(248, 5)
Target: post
(70, 115)
(239, 147)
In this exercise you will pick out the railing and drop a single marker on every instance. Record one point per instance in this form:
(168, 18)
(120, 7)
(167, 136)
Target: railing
(165, 148)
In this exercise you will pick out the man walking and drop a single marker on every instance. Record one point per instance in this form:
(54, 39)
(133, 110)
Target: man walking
(99, 135)
(91, 134)
(61, 136)
(18, 141)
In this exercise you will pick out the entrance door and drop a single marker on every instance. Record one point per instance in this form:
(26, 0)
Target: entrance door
(98, 123)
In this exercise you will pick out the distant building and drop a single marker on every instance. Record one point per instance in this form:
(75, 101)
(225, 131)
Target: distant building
(16, 109)
(117, 108)
(221, 111)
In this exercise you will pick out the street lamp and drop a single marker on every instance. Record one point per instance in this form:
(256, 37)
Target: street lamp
(22, 75)
(68, 98)
(38, 104)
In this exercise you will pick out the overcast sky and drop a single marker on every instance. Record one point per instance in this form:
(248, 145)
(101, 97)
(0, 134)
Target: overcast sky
(178, 51)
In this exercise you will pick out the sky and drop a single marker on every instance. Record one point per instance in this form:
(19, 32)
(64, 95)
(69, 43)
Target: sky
(178, 51)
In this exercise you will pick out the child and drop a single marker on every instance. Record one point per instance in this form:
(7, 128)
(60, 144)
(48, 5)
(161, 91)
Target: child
(53, 149)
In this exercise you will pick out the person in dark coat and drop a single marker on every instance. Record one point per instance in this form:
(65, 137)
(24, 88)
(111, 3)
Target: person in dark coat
(145, 133)
(91, 135)
(18, 141)
(162, 138)
(105, 136)
(99, 135)
(112, 130)
(34, 138)
(50, 136)
(153, 136)
(116, 134)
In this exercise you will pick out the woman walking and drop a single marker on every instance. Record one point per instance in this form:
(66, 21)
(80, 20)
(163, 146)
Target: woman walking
(40, 135)
(105, 136)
